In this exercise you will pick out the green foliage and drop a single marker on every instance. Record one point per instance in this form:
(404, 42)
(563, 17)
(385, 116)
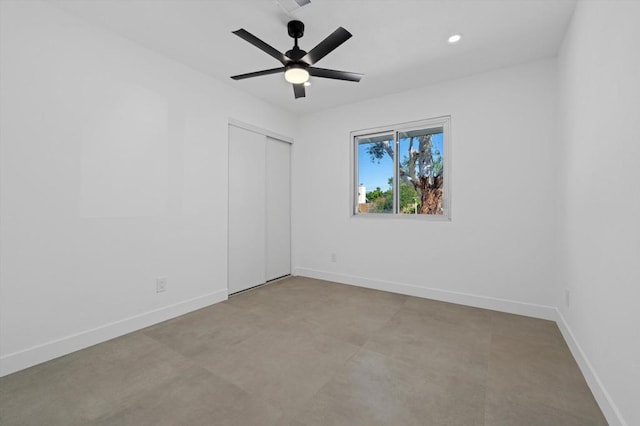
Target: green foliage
(375, 194)
(408, 198)
(382, 201)
(377, 150)
(383, 204)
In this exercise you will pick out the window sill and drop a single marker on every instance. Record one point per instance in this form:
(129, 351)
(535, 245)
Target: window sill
(415, 217)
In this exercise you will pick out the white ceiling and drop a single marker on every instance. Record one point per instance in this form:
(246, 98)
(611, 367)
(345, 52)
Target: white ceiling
(397, 44)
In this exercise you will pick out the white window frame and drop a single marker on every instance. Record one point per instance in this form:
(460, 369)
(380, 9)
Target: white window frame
(445, 123)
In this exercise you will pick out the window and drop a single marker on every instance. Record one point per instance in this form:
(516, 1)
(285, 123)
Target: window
(403, 170)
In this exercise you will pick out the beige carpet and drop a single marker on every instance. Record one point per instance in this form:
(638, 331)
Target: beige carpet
(309, 352)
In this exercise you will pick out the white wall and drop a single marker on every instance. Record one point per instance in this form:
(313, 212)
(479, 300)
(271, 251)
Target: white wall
(114, 172)
(498, 250)
(599, 80)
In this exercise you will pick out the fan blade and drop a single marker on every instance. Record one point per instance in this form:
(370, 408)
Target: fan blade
(327, 45)
(298, 90)
(246, 35)
(258, 73)
(337, 75)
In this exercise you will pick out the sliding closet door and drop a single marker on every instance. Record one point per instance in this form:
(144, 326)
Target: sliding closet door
(278, 203)
(247, 212)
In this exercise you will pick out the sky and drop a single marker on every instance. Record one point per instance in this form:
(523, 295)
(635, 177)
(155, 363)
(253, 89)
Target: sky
(376, 174)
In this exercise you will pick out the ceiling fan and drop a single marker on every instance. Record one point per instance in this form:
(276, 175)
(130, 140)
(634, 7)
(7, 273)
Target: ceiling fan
(297, 64)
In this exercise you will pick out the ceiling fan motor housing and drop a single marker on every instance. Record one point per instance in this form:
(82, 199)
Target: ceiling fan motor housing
(296, 54)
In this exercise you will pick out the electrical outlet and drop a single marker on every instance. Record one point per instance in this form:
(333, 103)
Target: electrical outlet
(161, 284)
(567, 297)
(334, 257)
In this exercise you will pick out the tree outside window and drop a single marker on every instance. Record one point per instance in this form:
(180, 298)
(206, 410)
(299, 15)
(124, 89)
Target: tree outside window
(412, 183)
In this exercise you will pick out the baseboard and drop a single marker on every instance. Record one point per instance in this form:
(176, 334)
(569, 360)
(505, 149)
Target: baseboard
(608, 407)
(20, 360)
(486, 302)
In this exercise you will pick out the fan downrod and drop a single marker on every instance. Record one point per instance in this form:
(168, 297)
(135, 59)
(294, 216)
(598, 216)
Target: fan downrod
(296, 30)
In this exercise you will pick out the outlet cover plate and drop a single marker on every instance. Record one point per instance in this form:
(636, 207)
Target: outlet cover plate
(161, 284)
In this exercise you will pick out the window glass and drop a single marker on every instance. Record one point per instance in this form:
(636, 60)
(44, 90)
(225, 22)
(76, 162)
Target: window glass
(375, 174)
(421, 172)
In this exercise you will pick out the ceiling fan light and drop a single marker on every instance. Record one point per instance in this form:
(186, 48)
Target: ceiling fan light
(296, 75)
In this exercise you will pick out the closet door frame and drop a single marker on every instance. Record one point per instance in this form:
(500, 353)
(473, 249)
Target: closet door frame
(267, 134)
(278, 209)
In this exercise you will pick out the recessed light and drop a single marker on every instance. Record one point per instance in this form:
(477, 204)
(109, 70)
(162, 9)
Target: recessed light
(307, 83)
(454, 38)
